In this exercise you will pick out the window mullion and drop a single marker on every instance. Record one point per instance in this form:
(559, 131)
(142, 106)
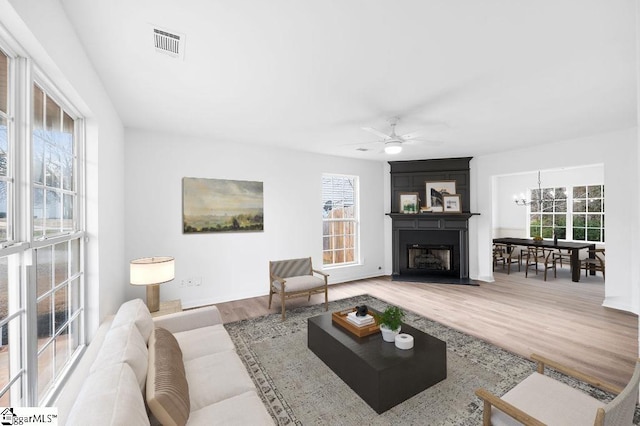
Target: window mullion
(23, 225)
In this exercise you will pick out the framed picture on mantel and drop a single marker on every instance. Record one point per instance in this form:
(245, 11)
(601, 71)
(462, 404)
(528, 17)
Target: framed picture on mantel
(409, 202)
(435, 192)
(452, 203)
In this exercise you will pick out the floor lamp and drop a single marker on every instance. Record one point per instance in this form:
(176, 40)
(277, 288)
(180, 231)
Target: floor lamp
(151, 272)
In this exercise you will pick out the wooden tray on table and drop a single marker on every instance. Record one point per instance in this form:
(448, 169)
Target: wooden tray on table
(340, 318)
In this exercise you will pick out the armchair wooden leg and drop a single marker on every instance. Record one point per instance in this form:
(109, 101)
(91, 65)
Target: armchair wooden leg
(270, 297)
(326, 299)
(282, 303)
(486, 414)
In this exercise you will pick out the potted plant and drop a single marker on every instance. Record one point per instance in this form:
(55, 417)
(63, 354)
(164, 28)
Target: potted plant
(390, 321)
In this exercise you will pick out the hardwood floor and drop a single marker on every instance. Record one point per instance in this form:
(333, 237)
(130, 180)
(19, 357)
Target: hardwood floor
(558, 318)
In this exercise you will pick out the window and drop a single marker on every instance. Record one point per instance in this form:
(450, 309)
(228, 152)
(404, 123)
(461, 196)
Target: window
(52, 166)
(574, 214)
(339, 219)
(548, 212)
(588, 213)
(41, 237)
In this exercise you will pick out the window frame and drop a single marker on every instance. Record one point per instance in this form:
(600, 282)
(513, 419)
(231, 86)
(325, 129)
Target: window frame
(569, 213)
(45, 241)
(353, 221)
(20, 248)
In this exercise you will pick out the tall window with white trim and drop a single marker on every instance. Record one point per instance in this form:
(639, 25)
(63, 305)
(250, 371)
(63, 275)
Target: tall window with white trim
(41, 235)
(340, 219)
(57, 238)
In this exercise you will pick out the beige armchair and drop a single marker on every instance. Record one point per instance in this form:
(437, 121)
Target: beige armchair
(540, 400)
(294, 278)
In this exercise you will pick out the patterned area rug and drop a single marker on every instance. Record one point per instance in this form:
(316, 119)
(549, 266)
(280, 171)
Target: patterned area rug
(299, 389)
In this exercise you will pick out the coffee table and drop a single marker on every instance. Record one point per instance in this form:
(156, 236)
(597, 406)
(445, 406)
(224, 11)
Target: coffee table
(381, 374)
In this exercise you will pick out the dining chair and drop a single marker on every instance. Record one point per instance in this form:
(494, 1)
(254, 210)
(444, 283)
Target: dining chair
(563, 254)
(540, 256)
(509, 257)
(595, 263)
(499, 251)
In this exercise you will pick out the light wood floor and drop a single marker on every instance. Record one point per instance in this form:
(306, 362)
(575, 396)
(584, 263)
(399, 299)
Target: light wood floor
(560, 319)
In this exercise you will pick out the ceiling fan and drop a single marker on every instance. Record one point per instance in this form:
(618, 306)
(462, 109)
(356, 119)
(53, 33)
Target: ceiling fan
(393, 142)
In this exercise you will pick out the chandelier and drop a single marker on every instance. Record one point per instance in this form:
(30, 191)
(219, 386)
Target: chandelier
(522, 201)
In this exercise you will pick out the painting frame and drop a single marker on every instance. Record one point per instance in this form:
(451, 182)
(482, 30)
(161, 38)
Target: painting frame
(409, 202)
(222, 205)
(452, 203)
(434, 191)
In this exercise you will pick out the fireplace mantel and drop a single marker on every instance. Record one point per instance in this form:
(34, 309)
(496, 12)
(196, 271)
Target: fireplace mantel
(431, 216)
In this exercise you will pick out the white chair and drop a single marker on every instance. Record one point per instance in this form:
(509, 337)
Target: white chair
(540, 400)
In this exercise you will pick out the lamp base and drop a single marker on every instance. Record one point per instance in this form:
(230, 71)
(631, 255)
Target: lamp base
(153, 297)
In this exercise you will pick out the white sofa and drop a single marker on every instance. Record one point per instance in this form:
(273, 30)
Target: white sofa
(130, 362)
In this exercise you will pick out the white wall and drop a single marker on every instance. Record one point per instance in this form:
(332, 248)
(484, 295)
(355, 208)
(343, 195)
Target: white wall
(510, 219)
(235, 265)
(618, 151)
(44, 34)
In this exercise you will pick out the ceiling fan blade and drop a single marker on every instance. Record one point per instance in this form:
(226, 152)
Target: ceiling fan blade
(376, 132)
(362, 143)
(410, 136)
(422, 142)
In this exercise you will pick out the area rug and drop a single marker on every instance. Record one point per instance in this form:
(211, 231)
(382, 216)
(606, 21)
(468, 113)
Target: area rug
(299, 389)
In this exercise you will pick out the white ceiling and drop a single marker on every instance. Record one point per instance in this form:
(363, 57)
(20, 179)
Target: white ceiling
(308, 74)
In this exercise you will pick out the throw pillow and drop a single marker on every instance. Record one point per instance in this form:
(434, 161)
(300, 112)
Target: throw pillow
(167, 387)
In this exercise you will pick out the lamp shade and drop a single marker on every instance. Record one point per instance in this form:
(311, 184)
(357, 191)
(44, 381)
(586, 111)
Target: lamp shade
(152, 270)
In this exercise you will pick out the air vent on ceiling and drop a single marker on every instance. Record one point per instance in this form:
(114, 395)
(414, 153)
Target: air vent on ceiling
(363, 149)
(168, 42)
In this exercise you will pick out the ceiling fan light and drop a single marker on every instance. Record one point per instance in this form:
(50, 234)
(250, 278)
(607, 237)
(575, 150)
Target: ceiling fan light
(392, 147)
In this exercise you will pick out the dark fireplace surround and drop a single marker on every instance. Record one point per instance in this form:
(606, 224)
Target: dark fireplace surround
(430, 247)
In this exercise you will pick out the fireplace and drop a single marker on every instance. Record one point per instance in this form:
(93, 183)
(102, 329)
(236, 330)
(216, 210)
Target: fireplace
(429, 258)
(429, 253)
(430, 246)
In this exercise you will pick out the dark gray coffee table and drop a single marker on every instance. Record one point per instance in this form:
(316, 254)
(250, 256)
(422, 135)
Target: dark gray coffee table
(381, 374)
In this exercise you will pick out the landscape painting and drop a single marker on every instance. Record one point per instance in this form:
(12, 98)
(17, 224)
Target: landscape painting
(220, 205)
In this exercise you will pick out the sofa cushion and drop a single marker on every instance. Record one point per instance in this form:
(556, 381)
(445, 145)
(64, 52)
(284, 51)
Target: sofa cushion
(110, 396)
(241, 410)
(135, 311)
(215, 377)
(124, 344)
(204, 341)
(300, 283)
(167, 388)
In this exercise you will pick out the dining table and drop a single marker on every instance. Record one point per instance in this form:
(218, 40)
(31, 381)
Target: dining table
(572, 246)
